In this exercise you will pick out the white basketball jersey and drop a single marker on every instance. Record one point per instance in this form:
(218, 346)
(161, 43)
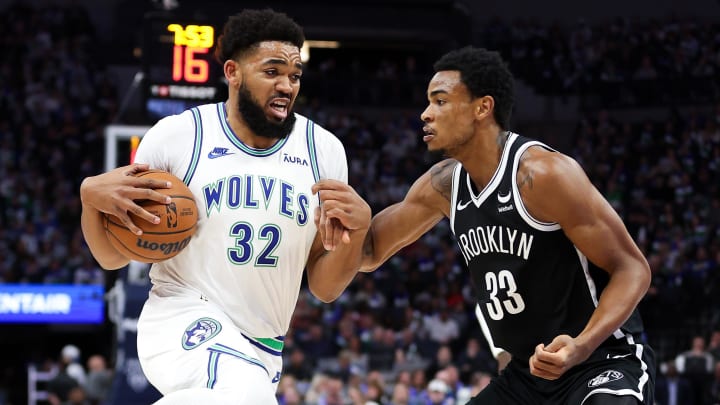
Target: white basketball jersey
(256, 211)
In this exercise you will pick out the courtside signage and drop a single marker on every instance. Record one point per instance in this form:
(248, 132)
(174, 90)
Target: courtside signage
(28, 303)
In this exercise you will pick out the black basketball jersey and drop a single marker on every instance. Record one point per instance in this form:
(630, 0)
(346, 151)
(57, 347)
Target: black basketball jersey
(532, 283)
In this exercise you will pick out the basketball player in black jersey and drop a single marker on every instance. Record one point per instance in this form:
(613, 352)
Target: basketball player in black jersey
(557, 275)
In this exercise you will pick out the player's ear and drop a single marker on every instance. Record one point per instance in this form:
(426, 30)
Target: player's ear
(233, 73)
(483, 107)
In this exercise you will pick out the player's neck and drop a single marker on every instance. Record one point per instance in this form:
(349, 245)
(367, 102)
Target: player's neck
(485, 155)
(243, 132)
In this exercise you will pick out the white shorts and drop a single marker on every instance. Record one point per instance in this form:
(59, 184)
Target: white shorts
(187, 342)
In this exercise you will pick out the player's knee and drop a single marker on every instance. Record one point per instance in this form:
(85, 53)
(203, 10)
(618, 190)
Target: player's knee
(609, 399)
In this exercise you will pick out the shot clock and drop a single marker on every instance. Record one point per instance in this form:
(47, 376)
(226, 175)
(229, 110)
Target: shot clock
(189, 42)
(179, 66)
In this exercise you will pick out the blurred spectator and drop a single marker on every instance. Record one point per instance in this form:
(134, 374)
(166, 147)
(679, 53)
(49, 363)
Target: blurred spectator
(437, 392)
(290, 396)
(400, 395)
(376, 389)
(478, 381)
(298, 366)
(696, 365)
(451, 376)
(99, 379)
(70, 361)
(69, 379)
(418, 380)
(60, 387)
(714, 345)
(475, 358)
(333, 391)
(715, 386)
(441, 328)
(288, 391)
(381, 349)
(443, 358)
(672, 388)
(316, 389)
(77, 396)
(316, 343)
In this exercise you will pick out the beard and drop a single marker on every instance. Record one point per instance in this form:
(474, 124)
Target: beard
(255, 118)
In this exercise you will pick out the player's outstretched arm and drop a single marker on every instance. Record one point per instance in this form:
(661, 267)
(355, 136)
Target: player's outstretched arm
(115, 193)
(554, 188)
(399, 225)
(393, 228)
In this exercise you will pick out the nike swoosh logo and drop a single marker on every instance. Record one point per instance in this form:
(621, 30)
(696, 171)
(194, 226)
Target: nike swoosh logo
(503, 199)
(461, 206)
(620, 356)
(214, 155)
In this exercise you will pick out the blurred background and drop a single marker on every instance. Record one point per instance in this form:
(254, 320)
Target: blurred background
(631, 90)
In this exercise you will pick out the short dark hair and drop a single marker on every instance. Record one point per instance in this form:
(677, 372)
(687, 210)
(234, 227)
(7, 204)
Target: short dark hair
(248, 28)
(484, 73)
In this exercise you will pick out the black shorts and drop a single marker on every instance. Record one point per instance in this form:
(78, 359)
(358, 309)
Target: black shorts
(619, 370)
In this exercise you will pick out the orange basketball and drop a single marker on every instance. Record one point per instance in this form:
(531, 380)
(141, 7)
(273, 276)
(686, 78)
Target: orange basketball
(178, 222)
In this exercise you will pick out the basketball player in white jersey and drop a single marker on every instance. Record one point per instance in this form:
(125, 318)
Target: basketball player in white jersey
(557, 276)
(212, 328)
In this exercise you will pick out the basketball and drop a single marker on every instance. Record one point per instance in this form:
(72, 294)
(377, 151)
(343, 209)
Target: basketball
(178, 222)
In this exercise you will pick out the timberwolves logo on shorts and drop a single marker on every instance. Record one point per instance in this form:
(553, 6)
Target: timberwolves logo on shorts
(199, 332)
(605, 377)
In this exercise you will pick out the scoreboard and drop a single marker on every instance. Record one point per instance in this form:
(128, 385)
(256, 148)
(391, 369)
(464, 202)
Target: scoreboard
(180, 70)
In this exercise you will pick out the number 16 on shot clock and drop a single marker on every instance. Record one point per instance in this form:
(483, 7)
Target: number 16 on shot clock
(190, 41)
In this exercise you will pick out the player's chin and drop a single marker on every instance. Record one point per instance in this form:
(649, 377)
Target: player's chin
(433, 146)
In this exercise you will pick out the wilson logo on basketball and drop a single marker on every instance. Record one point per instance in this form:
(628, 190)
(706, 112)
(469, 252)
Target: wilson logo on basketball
(166, 248)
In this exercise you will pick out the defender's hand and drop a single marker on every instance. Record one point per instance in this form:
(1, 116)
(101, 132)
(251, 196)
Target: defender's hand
(342, 212)
(330, 229)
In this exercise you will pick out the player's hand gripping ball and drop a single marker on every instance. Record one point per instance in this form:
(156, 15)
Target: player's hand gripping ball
(178, 222)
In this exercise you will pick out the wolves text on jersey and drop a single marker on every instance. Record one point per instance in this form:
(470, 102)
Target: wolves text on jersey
(494, 239)
(254, 192)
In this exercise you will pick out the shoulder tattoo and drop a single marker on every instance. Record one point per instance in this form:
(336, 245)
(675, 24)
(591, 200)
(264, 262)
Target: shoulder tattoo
(525, 174)
(441, 177)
